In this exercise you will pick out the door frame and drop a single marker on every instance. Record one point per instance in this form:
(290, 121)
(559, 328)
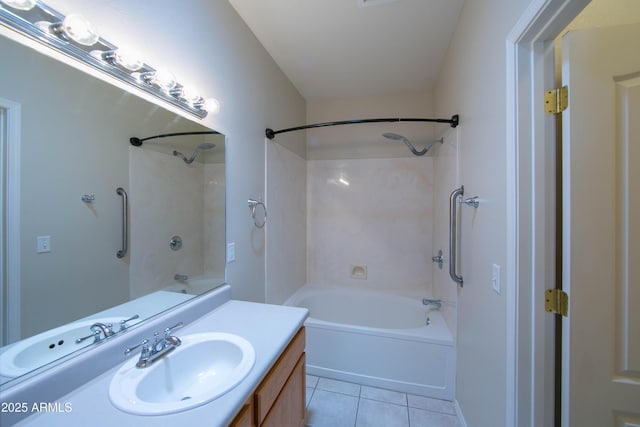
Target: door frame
(11, 117)
(530, 228)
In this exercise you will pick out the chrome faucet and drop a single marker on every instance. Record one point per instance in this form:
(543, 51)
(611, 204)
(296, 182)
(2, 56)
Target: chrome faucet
(436, 303)
(159, 347)
(99, 331)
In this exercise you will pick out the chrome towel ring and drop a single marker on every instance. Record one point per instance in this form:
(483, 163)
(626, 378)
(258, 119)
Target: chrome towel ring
(253, 205)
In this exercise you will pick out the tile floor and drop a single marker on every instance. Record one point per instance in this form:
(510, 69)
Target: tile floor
(332, 403)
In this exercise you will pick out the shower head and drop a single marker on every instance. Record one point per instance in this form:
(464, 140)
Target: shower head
(205, 146)
(396, 137)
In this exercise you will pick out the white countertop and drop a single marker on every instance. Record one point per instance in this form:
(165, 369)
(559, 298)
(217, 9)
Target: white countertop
(268, 328)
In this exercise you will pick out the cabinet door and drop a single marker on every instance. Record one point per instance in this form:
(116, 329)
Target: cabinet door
(272, 386)
(245, 417)
(289, 408)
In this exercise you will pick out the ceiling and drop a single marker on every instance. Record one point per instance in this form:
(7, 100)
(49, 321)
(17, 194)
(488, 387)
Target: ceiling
(354, 48)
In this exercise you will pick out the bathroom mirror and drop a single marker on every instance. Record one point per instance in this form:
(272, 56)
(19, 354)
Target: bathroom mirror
(74, 153)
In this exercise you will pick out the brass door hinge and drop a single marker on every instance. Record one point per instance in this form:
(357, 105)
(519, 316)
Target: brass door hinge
(556, 100)
(556, 301)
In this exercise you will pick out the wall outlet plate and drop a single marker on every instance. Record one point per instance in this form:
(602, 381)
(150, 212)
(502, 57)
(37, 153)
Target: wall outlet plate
(43, 244)
(231, 252)
(496, 278)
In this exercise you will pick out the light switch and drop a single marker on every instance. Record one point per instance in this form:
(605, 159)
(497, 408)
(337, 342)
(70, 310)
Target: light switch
(231, 252)
(495, 278)
(43, 244)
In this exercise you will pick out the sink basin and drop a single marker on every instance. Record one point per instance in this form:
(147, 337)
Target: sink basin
(48, 346)
(203, 368)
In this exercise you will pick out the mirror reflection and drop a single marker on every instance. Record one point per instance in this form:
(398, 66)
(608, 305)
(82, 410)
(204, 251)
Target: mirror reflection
(64, 286)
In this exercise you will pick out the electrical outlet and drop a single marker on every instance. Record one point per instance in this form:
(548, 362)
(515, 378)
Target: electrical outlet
(231, 252)
(43, 244)
(495, 278)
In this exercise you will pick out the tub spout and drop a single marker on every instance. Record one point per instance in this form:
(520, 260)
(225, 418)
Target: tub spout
(436, 303)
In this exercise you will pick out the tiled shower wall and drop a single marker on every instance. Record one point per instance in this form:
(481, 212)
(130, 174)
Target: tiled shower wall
(167, 198)
(446, 178)
(370, 223)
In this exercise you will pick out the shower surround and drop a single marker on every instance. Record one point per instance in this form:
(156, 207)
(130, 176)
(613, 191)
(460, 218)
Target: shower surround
(170, 198)
(370, 223)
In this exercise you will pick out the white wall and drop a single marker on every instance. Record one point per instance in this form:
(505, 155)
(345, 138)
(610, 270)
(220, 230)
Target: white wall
(375, 214)
(214, 219)
(206, 43)
(472, 84)
(383, 219)
(365, 141)
(286, 203)
(166, 199)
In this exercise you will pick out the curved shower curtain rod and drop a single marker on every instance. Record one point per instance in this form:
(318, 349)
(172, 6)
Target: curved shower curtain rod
(453, 121)
(137, 142)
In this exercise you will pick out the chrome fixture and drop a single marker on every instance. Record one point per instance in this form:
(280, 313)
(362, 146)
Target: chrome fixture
(396, 137)
(88, 198)
(159, 347)
(175, 243)
(125, 223)
(181, 277)
(123, 323)
(471, 201)
(205, 146)
(436, 303)
(253, 204)
(453, 235)
(74, 36)
(95, 333)
(438, 259)
(100, 331)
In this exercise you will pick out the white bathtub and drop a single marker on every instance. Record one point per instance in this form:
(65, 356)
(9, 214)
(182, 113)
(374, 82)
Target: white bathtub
(377, 339)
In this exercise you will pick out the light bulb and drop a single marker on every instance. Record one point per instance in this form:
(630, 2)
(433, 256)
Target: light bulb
(211, 106)
(78, 29)
(127, 59)
(190, 94)
(161, 78)
(20, 4)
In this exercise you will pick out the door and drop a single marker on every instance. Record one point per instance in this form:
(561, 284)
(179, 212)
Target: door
(601, 227)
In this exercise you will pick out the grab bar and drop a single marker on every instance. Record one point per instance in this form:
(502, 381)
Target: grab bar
(453, 235)
(125, 226)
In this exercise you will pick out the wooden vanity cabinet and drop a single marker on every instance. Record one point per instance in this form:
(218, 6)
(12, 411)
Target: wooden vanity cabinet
(279, 400)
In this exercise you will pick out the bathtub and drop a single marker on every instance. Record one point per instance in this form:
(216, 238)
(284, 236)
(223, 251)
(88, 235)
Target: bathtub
(377, 339)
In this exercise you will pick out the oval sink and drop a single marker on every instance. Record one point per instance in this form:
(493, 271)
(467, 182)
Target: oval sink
(48, 346)
(203, 368)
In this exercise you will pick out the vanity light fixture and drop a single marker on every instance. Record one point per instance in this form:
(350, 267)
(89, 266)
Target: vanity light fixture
(74, 27)
(74, 36)
(128, 60)
(210, 105)
(162, 79)
(20, 4)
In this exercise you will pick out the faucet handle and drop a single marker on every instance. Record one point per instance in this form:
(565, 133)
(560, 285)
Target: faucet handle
(123, 323)
(170, 329)
(144, 344)
(95, 334)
